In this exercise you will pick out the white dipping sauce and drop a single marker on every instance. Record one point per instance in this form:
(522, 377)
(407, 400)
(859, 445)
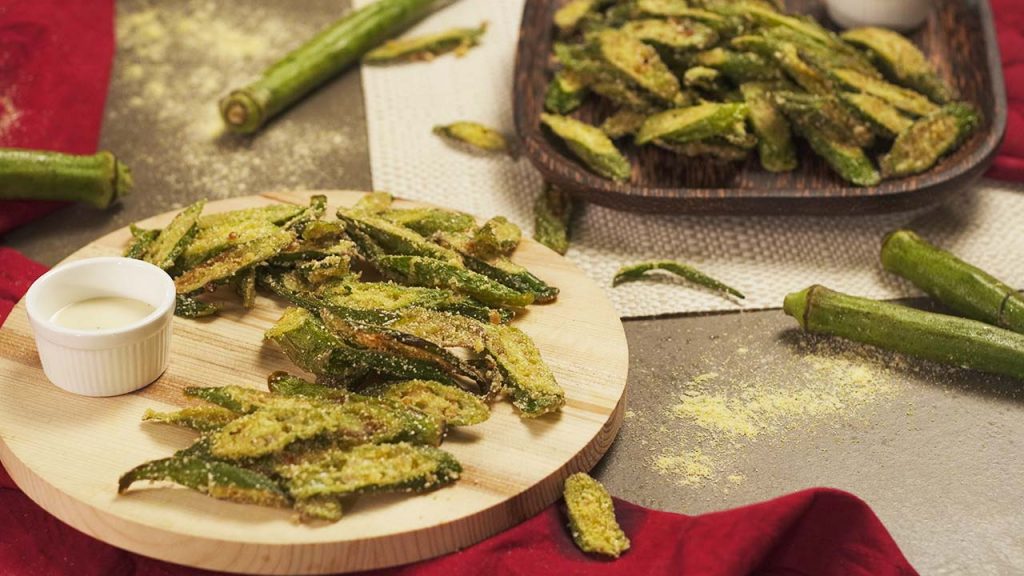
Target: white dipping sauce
(102, 313)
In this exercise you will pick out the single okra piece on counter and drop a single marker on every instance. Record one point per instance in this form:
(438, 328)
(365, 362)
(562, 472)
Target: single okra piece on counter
(775, 146)
(964, 288)
(592, 522)
(693, 123)
(901, 61)
(920, 146)
(318, 60)
(364, 469)
(98, 180)
(428, 47)
(552, 213)
(937, 337)
(637, 271)
(475, 136)
(454, 406)
(590, 145)
(899, 97)
(173, 239)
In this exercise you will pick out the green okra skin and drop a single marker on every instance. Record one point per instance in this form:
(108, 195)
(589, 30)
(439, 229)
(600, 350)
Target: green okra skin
(637, 271)
(901, 98)
(453, 406)
(198, 418)
(738, 66)
(638, 63)
(921, 145)
(189, 307)
(164, 250)
(902, 61)
(672, 34)
(681, 125)
(98, 179)
(937, 337)
(569, 16)
(552, 213)
(705, 79)
(432, 273)
(142, 239)
(887, 121)
(828, 139)
(964, 288)
(590, 145)
(232, 261)
(565, 92)
(775, 146)
(457, 40)
(321, 58)
(623, 123)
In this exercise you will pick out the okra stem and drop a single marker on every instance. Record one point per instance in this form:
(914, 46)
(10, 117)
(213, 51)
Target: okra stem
(965, 288)
(937, 337)
(321, 58)
(99, 179)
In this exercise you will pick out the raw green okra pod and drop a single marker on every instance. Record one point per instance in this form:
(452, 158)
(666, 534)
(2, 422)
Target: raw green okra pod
(323, 57)
(98, 180)
(965, 288)
(945, 339)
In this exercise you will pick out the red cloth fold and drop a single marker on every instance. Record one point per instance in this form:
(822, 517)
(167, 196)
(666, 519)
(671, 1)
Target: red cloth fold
(1009, 19)
(55, 60)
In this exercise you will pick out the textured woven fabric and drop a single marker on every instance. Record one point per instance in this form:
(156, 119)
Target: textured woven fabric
(765, 257)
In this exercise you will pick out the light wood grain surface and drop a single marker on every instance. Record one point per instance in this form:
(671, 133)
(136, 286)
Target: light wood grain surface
(66, 452)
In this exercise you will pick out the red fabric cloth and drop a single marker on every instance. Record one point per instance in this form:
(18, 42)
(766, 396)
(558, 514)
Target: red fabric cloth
(1009, 17)
(55, 60)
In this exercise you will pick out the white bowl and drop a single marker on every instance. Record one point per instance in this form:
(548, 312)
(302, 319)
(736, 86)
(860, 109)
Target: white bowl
(896, 14)
(102, 362)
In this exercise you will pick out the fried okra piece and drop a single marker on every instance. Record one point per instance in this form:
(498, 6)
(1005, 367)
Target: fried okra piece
(623, 123)
(775, 146)
(373, 203)
(277, 214)
(309, 345)
(283, 421)
(142, 239)
(900, 98)
(639, 64)
(638, 271)
(739, 67)
(474, 136)
(428, 47)
(286, 384)
(886, 120)
(455, 407)
(428, 221)
(489, 262)
(396, 239)
(592, 522)
(496, 237)
(189, 307)
(173, 239)
(212, 240)
(528, 380)
(693, 123)
(672, 35)
(590, 145)
(921, 145)
(232, 261)
(370, 468)
(194, 468)
(901, 61)
(420, 271)
(552, 213)
(198, 418)
(705, 79)
(569, 16)
(237, 399)
(565, 92)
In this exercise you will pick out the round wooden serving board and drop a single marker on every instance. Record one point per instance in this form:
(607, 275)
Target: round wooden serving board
(66, 451)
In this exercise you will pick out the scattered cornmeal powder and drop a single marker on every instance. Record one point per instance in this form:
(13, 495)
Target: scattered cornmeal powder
(826, 381)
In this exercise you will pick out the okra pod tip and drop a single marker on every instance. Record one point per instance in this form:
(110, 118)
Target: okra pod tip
(795, 304)
(241, 112)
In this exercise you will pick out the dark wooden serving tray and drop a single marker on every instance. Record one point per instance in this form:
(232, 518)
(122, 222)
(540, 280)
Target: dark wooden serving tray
(958, 37)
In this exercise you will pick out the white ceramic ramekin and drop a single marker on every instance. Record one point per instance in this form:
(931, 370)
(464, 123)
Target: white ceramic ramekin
(102, 362)
(896, 14)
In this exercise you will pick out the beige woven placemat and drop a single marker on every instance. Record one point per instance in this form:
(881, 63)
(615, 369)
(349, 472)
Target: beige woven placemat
(765, 257)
